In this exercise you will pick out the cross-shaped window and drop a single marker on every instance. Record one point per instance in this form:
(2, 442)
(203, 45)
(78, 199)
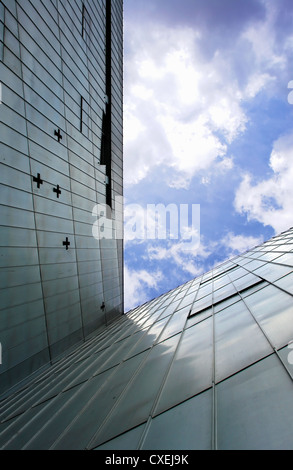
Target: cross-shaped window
(38, 180)
(57, 190)
(66, 243)
(58, 135)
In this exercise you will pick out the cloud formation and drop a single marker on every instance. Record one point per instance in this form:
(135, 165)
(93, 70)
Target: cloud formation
(175, 105)
(212, 15)
(183, 108)
(137, 285)
(270, 201)
(237, 244)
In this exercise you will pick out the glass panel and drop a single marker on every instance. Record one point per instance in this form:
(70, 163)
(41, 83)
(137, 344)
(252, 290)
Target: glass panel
(201, 304)
(191, 370)
(252, 265)
(286, 355)
(252, 289)
(238, 340)
(223, 292)
(180, 294)
(175, 325)
(270, 257)
(204, 290)
(198, 317)
(171, 308)
(149, 338)
(136, 404)
(150, 319)
(186, 426)
(220, 282)
(274, 311)
(187, 300)
(271, 272)
(239, 272)
(286, 283)
(246, 281)
(282, 247)
(61, 412)
(285, 259)
(184, 311)
(92, 415)
(255, 408)
(225, 303)
(11, 437)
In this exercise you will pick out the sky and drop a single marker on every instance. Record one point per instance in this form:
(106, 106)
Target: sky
(208, 135)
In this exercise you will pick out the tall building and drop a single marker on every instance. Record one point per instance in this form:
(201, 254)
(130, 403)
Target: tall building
(61, 163)
(207, 365)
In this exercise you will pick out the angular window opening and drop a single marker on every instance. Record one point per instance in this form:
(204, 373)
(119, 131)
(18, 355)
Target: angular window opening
(218, 275)
(196, 310)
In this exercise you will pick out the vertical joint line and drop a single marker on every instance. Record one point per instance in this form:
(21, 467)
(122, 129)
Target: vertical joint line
(81, 113)
(32, 190)
(83, 20)
(69, 167)
(108, 117)
(214, 407)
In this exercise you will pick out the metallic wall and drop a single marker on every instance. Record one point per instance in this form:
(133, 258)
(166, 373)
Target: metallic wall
(54, 95)
(208, 365)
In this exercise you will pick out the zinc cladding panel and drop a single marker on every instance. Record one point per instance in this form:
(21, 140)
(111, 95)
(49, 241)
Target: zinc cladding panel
(255, 408)
(34, 110)
(184, 427)
(22, 335)
(1, 31)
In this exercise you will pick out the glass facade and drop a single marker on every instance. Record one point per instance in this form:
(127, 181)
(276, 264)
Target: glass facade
(207, 365)
(61, 156)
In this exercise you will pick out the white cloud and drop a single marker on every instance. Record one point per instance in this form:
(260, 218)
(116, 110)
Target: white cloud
(181, 110)
(183, 255)
(136, 284)
(256, 83)
(237, 244)
(262, 38)
(270, 201)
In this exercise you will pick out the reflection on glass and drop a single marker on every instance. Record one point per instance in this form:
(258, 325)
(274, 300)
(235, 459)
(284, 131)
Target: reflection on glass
(274, 311)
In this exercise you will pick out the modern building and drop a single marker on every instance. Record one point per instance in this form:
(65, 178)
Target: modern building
(208, 365)
(61, 163)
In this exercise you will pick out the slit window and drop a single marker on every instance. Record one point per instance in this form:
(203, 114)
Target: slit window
(84, 117)
(85, 24)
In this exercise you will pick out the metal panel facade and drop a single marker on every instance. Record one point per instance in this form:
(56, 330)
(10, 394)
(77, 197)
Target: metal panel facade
(176, 373)
(55, 275)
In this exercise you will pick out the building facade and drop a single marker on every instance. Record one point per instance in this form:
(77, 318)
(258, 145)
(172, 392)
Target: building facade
(61, 162)
(208, 365)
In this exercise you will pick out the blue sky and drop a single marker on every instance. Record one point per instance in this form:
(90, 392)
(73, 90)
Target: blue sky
(208, 121)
